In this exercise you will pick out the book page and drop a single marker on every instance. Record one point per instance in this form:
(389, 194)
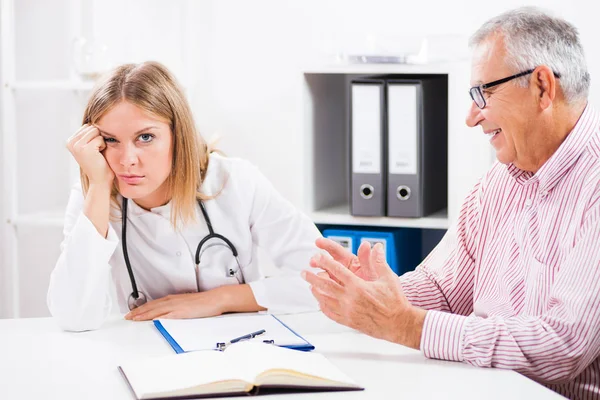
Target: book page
(178, 372)
(205, 333)
(260, 358)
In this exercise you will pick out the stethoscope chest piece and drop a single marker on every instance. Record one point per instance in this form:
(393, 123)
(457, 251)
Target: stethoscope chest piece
(132, 302)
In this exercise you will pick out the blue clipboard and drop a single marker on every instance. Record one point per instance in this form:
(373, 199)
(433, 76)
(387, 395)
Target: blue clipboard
(306, 346)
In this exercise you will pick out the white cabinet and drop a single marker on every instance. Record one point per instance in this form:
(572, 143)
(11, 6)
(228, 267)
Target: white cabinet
(325, 140)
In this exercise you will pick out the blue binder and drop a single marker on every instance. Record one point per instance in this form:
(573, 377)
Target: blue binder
(344, 238)
(305, 346)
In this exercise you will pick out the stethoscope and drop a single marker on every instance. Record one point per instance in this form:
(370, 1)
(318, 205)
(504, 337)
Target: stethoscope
(137, 297)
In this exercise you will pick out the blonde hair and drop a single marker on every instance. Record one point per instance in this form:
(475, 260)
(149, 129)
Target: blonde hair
(154, 89)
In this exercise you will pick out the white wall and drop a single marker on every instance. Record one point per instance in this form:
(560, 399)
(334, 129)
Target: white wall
(250, 70)
(4, 286)
(242, 62)
(43, 31)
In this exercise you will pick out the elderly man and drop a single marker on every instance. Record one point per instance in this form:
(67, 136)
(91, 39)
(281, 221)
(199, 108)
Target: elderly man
(515, 283)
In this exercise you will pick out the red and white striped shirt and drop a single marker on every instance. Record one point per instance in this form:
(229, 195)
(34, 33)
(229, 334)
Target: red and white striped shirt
(515, 283)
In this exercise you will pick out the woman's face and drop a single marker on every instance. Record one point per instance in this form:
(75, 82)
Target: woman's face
(139, 151)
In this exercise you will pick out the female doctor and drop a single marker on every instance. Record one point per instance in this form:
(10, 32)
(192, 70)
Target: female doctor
(174, 226)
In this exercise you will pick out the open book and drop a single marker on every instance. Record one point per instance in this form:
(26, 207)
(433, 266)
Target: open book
(243, 368)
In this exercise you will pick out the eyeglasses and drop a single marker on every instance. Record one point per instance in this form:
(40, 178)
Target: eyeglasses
(476, 92)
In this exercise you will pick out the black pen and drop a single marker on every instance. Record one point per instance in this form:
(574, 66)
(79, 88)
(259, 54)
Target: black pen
(248, 336)
(222, 346)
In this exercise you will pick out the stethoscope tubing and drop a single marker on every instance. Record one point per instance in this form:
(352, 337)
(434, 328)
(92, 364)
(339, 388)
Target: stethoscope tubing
(135, 292)
(211, 235)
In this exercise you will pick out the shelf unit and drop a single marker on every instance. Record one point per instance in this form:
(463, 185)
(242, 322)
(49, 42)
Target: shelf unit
(9, 148)
(326, 115)
(20, 224)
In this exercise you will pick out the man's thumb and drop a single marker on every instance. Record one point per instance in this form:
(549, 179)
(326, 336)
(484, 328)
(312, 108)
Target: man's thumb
(378, 262)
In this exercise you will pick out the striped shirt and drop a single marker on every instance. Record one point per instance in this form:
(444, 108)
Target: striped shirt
(515, 283)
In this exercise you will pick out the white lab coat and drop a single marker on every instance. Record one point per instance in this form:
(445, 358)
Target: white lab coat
(248, 211)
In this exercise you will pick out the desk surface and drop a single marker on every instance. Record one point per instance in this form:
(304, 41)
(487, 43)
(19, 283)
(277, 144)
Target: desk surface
(38, 360)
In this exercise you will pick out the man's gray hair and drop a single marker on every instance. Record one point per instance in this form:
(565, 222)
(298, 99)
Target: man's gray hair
(532, 38)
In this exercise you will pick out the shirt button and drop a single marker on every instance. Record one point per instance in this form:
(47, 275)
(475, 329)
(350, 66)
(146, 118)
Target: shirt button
(178, 254)
(528, 203)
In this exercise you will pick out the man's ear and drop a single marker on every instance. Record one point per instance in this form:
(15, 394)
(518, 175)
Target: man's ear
(544, 82)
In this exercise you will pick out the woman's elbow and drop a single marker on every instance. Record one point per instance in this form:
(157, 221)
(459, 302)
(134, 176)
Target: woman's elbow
(73, 318)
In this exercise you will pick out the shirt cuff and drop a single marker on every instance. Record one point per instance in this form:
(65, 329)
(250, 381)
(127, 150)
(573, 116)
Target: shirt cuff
(284, 295)
(260, 293)
(111, 236)
(85, 228)
(443, 336)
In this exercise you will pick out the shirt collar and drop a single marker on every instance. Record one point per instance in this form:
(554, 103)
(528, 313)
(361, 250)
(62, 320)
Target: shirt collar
(564, 157)
(134, 210)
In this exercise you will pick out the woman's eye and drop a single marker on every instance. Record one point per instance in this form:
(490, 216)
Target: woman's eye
(110, 140)
(146, 137)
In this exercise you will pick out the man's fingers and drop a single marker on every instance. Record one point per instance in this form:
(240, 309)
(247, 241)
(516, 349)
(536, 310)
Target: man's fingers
(364, 258)
(335, 270)
(332, 314)
(324, 284)
(328, 305)
(324, 298)
(378, 264)
(324, 274)
(339, 253)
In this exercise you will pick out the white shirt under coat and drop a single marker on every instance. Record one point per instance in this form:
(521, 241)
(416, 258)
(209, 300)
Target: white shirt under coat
(248, 211)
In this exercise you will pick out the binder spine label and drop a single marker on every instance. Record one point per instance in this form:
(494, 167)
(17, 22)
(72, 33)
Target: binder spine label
(366, 129)
(402, 129)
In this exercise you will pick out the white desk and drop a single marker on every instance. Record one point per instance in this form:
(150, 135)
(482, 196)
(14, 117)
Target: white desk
(39, 361)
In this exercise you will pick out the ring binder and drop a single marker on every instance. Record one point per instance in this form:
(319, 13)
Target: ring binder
(367, 137)
(399, 145)
(403, 192)
(417, 132)
(367, 191)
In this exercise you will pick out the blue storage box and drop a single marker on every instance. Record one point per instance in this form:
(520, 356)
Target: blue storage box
(402, 246)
